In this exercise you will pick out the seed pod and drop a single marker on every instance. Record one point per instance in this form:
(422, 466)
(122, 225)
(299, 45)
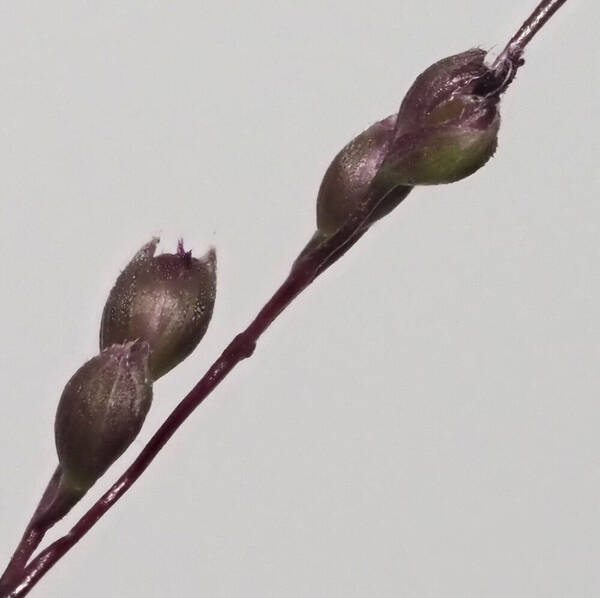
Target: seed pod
(350, 175)
(445, 130)
(101, 411)
(445, 79)
(165, 300)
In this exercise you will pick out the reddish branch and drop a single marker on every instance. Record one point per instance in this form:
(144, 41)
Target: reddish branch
(19, 578)
(308, 266)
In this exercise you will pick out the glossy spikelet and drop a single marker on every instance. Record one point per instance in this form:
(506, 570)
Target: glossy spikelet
(445, 130)
(165, 300)
(101, 411)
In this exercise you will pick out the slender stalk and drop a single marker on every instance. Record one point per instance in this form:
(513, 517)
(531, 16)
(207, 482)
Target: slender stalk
(31, 538)
(305, 269)
(318, 255)
(538, 18)
(57, 500)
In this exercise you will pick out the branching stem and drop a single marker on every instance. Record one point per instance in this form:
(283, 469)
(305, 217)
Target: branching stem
(305, 269)
(20, 577)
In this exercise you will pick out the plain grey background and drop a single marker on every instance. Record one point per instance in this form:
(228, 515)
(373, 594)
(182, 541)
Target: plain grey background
(423, 422)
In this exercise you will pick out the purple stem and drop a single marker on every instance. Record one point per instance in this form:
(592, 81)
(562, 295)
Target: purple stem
(31, 538)
(19, 579)
(306, 268)
(538, 18)
(55, 503)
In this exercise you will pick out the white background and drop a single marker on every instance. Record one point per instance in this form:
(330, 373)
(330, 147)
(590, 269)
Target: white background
(423, 422)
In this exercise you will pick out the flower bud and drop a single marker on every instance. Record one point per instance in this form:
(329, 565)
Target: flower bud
(101, 411)
(165, 300)
(445, 130)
